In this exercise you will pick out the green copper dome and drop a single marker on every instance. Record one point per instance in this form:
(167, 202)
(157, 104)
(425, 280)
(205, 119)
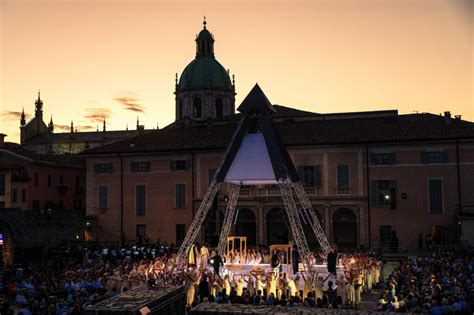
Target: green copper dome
(204, 71)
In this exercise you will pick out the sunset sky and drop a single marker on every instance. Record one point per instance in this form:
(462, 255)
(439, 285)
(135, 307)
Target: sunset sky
(118, 59)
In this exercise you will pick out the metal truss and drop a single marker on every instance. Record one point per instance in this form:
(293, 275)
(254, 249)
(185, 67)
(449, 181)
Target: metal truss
(229, 217)
(193, 230)
(313, 219)
(296, 227)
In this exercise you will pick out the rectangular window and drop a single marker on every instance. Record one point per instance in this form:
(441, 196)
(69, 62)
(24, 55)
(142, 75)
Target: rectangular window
(78, 181)
(380, 192)
(103, 197)
(61, 180)
(2, 184)
(310, 175)
(2, 204)
(178, 165)
(432, 157)
(36, 205)
(140, 199)
(36, 179)
(50, 180)
(23, 195)
(141, 231)
(180, 233)
(435, 188)
(210, 175)
(77, 204)
(180, 196)
(382, 158)
(14, 195)
(101, 168)
(143, 166)
(343, 176)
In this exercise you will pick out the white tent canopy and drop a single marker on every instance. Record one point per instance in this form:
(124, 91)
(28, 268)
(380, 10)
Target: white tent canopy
(252, 165)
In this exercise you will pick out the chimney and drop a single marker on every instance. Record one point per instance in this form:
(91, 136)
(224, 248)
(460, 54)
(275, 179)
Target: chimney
(458, 117)
(140, 129)
(2, 140)
(447, 117)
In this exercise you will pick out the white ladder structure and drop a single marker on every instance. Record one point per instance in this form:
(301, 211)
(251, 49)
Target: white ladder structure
(228, 217)
(313, 220)
(197, 222)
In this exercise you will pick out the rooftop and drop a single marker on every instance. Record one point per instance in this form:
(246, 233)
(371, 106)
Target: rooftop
(299, 128)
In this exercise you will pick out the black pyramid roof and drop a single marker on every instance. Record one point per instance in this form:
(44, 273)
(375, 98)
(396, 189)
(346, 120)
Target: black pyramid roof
(256, 102)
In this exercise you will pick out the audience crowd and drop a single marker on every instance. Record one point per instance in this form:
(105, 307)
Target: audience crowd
(436, 282)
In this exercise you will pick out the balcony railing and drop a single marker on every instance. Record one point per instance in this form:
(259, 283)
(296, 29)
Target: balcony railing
(343, 190)
(244, 192)
(270, 191)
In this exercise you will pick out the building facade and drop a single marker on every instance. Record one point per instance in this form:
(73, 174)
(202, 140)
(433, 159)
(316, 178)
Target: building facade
(369, 175)
(31, 181)
(364, 184)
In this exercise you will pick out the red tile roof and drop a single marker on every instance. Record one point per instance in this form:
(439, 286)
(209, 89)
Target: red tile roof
(312, 129)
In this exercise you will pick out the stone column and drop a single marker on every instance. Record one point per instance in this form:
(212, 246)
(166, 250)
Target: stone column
(362, 232)
(261, 225)
(327, 222)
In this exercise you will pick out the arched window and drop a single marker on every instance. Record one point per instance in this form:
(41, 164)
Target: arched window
(219, 108)
(180, 109)
(197, 108)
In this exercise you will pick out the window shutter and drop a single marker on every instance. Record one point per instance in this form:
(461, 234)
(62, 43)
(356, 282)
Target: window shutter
(445, 156)
(96, 168)
(424, 157)
(393, 184)
(343, 176)
(373, 159)
(374, 192)
(393, 158)
(187, 165)
(134, 166)
(300, 170)
(317, 175)
(436, 196)
(172, 165)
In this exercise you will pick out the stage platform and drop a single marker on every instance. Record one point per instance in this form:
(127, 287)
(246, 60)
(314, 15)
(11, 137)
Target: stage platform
(241, 309)
(264, 268)
(169, 300)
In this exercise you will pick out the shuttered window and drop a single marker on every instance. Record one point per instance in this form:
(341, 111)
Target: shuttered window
(103, 197)
(380, 192)
(310, 175)
(141, 166)
(435, 188)
(434, 157)
(140, 199)
(100, 168)
(343, 176)
(180, 196)
(382, 158)
(179, 165)
(210, 175)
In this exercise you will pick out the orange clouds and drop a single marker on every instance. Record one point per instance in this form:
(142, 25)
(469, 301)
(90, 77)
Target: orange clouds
(97, 115)
(12, 115)
(130, 102)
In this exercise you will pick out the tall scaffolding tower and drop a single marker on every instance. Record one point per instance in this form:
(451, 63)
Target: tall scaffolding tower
(256, 155)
